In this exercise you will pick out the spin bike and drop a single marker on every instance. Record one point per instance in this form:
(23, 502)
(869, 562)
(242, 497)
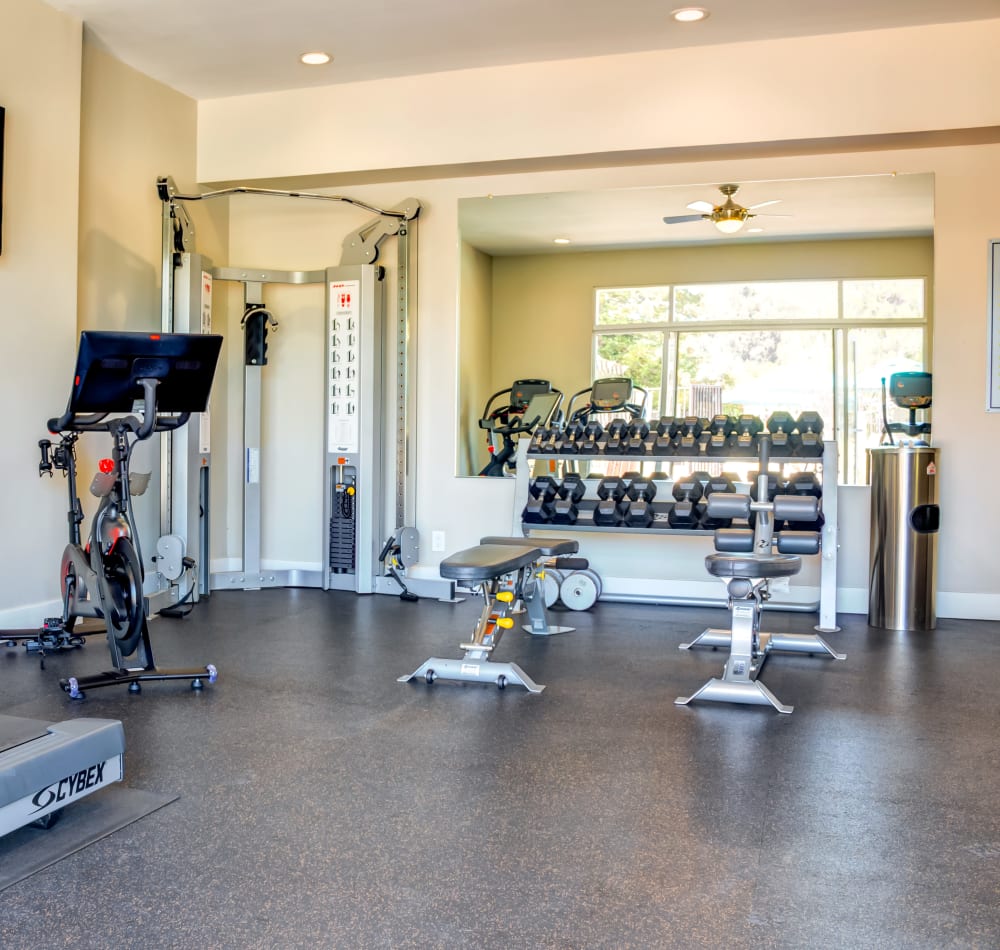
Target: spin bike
(171, 376)
(530, 402)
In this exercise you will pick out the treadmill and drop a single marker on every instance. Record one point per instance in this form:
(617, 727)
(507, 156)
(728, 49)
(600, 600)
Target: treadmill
(45, 766)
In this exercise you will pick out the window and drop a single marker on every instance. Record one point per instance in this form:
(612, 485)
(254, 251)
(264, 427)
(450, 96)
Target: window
(762, 346)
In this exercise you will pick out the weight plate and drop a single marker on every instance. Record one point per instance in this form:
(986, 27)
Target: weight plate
(552, 586)
(590, 572)
(579, 591)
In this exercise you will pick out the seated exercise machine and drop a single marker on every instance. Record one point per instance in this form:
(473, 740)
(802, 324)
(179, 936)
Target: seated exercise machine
(530, 403)
(506, 570)
(747, 570)
(170, 374)
(46, 766)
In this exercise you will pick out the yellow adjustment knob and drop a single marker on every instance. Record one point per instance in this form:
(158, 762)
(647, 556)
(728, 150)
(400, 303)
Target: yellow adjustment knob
(505, 596)
(350, 491)
(505, 622)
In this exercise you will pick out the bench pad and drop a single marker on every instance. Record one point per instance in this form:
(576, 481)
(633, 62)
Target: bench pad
(550, 547)
(749, 565)
(487, 561)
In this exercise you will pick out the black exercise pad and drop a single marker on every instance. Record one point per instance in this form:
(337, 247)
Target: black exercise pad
(29, 850)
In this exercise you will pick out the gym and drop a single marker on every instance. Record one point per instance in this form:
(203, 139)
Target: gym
(267, 781)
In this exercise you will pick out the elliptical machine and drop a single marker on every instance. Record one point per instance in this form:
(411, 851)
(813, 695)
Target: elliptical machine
(531, 402)
(171, 375)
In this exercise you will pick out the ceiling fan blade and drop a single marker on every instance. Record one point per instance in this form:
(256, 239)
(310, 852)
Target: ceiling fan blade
(763, 204)
(705, 207)
(681, 218)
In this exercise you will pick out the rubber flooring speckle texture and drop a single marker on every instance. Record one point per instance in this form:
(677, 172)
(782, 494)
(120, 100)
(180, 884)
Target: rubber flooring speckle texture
(323, 804)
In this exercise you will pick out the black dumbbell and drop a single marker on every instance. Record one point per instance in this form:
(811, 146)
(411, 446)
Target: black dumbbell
(810, 426)
(637, 438)
(572, 435)
(610, 492)
(537, 510)
(721, 430)
(687, 493)
(617, 436)
(781, 426)
(687, 438)
(545, 487)
(747, 429)
(590, 444)
(611, 486)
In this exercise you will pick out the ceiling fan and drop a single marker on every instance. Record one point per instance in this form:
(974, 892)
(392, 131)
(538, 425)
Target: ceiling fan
(729, 217)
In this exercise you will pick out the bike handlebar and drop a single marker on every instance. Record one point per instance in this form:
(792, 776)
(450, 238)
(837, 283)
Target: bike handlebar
(143, 428)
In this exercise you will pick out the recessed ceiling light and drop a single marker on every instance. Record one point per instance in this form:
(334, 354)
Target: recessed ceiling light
(315, 59)
(560, 240)
(689, 14)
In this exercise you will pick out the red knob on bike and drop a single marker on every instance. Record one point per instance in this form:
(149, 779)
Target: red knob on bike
(106, 466)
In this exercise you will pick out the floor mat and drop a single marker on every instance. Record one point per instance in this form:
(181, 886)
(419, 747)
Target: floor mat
(29, 850)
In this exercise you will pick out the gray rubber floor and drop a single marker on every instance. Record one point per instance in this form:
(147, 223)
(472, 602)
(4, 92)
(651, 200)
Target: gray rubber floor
(322, 804)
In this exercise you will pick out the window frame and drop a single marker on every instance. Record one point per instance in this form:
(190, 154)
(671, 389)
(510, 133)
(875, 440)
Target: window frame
(840, 328)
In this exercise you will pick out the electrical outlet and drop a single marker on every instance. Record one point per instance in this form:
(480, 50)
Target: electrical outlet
(437, 540)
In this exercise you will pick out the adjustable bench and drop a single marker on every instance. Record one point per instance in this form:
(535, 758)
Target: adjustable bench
(553, 553)
(486, 566)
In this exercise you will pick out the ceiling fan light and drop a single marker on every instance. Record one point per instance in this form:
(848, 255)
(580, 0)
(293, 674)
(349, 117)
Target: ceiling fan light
(729, 225)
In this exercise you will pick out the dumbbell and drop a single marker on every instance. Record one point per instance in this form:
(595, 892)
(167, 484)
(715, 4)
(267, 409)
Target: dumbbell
(590, 444)
(637, 438)
(721, 431)
(747, 429)
(781, 426)
(538, 439)
(687, 493)
(610, 492)
(542, 492)
(810, 426)
(640, 494)
(716, 484)
(553, 439)
(617, 435)
(564, 508)
(572, 435)
(689, 429)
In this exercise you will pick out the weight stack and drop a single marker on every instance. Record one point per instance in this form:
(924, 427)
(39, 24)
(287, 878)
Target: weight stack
(343, 536)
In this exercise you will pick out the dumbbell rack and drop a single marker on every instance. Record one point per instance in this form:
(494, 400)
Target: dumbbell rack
(828, 536)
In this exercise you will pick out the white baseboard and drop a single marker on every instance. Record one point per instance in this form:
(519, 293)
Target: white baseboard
(30, 616)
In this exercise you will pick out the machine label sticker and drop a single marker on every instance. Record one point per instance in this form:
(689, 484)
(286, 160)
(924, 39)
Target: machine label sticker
(343, 324)
(932, 469)
(470, 669)
(68, 789)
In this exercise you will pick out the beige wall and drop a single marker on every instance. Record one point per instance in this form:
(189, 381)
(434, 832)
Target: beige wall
(40, 89)
(476, 373)
(775, 91)
(134, 130)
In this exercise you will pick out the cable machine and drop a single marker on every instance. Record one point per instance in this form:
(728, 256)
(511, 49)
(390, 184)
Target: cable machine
(362, 347)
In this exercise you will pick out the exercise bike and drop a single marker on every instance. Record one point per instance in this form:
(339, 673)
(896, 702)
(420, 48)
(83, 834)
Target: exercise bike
(170, 375)
(531, 402)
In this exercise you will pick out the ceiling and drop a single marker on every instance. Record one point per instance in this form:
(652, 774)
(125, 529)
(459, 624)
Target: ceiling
(215, 48)
(810, 209)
